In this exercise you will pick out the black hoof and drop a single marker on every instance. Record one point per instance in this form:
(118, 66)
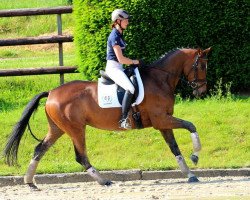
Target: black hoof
(194, 159)
(33, 187)
(108, 183)
(193, 179)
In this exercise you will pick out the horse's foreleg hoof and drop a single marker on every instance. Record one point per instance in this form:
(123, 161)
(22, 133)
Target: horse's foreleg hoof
(193, 179)
(33, 187)
(194, 159)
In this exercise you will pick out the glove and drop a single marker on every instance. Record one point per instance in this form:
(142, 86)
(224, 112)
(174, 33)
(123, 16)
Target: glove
(141, 64)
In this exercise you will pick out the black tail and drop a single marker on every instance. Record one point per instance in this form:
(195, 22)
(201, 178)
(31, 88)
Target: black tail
(11, 148)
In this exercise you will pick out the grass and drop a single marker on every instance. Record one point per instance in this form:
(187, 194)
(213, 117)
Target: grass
(14, 27)
(31, 4)
(225, 138)
(222, 122)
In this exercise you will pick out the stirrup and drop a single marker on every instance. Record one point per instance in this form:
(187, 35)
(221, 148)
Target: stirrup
(125, 123)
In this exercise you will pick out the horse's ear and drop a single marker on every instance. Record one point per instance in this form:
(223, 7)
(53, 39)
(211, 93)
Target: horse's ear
(207, 50)
(199, 51)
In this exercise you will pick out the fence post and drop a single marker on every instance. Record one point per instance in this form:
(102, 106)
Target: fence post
(59, 28)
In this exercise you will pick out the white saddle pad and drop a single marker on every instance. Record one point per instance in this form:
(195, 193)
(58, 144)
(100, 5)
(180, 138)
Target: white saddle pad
(107, 94)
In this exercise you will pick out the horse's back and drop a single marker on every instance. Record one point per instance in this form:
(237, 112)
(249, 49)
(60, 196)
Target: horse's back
(72, 99)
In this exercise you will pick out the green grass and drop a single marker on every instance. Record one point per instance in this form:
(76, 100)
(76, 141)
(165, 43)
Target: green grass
(13, 27)
(223, 126)
(223, 123)
(31, 4)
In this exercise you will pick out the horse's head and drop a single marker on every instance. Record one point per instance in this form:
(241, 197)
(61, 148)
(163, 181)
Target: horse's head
(196, 71)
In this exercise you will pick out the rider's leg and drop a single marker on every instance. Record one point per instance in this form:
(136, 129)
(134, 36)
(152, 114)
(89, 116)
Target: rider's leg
(119, 77)
(126, 104)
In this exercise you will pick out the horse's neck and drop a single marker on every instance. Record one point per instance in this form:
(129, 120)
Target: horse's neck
(166, 73)
(173, 70)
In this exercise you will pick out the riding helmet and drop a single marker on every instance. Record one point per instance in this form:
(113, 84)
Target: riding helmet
(119, 14)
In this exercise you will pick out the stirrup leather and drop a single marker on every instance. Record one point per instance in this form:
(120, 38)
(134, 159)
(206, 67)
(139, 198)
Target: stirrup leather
(125, 123)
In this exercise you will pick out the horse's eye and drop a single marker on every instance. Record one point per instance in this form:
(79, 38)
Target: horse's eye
(203, 66)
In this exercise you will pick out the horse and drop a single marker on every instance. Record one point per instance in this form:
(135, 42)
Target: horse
(72, 106)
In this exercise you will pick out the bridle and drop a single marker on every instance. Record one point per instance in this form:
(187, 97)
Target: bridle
(194, 83)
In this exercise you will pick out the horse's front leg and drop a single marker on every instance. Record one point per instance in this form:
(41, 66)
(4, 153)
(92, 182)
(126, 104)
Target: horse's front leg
(169, 122)
(194, 136)
(170, 140)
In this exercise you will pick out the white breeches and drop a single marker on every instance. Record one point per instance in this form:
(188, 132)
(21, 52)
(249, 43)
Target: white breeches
(115, 72)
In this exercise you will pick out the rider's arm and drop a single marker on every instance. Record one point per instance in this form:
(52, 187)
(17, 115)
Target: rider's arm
(122, 59)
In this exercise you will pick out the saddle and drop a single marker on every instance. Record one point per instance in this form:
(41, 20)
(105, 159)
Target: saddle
(106, 80)
(111, 95)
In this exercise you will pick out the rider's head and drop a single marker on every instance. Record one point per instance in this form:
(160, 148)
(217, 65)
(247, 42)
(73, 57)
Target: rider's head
(120, 17)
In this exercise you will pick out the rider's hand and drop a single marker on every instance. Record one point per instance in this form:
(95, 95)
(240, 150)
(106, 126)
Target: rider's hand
(139, 63)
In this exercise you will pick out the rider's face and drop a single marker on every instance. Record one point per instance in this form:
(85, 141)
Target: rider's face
(124, 23)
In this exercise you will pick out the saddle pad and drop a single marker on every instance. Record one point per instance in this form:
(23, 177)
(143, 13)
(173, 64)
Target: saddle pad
(107, 94)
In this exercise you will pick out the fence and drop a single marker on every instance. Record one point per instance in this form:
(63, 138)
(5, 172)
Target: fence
(60, 39)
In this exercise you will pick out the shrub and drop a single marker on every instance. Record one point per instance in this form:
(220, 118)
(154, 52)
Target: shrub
(158, 26)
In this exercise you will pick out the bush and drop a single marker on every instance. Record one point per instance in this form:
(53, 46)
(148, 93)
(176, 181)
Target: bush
(158, 26)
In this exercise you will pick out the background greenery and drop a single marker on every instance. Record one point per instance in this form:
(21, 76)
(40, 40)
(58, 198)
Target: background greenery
(222, 122)
(158, 26)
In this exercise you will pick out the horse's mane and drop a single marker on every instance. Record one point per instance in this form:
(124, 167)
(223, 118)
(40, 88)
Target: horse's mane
(164, 58)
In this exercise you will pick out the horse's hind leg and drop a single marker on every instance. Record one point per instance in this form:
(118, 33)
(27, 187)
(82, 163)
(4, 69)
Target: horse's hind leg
(170, 140)
(53, 134)
(78, 137)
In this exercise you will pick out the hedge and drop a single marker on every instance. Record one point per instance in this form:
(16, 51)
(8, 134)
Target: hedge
(158, 26)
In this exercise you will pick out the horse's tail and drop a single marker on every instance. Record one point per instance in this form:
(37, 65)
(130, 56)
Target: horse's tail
(11, 148)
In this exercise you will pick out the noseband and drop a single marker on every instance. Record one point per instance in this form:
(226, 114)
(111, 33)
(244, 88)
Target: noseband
(194, 83)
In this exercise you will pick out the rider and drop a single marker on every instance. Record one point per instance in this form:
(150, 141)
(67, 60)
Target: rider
(116, 59)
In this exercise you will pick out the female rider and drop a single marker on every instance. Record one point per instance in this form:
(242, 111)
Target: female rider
(116, 59)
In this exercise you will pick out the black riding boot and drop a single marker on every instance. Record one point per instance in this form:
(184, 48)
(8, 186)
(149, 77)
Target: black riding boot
(126, 103)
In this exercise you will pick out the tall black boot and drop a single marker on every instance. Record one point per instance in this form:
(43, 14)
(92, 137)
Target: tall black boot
(126, 104)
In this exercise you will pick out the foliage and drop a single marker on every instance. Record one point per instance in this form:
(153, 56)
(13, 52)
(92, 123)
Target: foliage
(158, 26)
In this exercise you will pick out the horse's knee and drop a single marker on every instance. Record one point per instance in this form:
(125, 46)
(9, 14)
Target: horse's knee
(189, 126)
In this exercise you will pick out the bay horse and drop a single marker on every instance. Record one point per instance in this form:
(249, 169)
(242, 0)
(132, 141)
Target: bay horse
(72, 106)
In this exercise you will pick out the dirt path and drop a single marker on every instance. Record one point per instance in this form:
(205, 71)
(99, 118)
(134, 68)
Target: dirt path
(209, 188)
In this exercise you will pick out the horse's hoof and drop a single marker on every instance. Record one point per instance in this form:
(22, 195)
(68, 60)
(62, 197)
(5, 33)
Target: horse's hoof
(193, 179)
(194, 159)
(33, 187)
(108, 183)
(105, 182)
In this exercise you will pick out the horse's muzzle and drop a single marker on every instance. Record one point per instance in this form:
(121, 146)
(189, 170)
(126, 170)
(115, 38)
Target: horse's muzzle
(199, 92)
